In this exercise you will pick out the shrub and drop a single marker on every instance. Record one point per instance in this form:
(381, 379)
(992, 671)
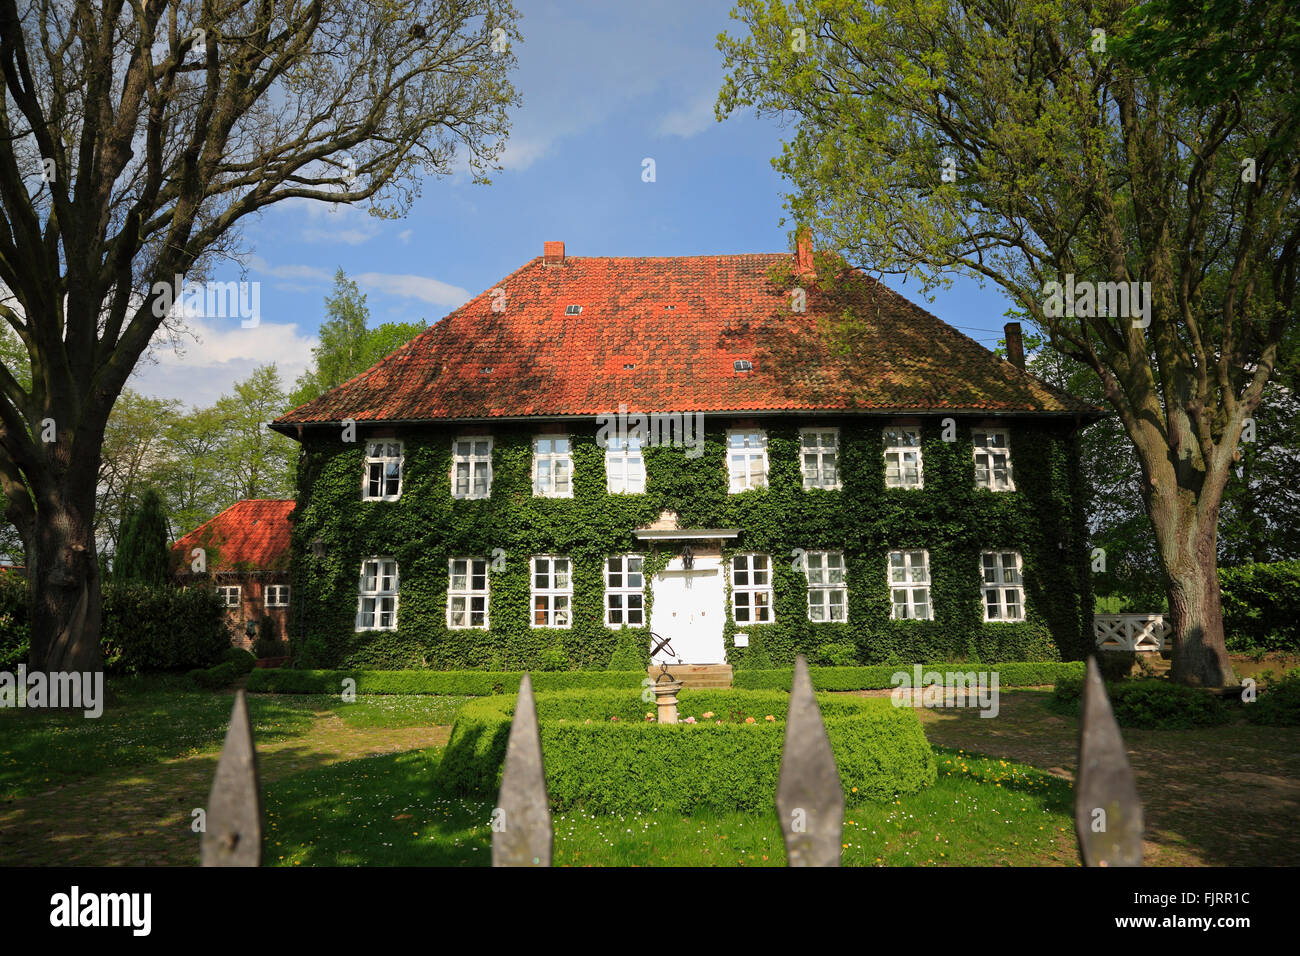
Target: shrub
(626, 656)
(838, 655)
(1279, 704)
(553, 658)
(458, 683)
(881, 676)
(243, 659)
(217, 677)
(167, 628)
(15, 632)
(629, 764)
(1149, 704)
(755, 657)
(1261, 605)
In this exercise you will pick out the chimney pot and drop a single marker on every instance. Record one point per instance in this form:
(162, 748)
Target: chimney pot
(553, 253)
(1015, 345)
(804, 252)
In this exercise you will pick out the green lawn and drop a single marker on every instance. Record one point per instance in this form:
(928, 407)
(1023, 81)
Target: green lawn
(351, 784)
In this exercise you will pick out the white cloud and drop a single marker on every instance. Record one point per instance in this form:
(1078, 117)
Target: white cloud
(695, 117)
(260, 265)
(217, 353)
(414, 287)
(405, 235)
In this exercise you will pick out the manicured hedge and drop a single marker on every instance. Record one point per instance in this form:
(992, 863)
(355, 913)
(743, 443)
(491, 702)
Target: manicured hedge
(1018, 674)
(144, 628)
(459, 683)
(1261, 606)
(1149, 704)
(630, 765)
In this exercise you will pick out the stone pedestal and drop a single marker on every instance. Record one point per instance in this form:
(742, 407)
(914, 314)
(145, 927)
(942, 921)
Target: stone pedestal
(666, 700)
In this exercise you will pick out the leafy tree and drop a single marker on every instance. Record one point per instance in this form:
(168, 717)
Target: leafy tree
(252, 460)
(134, 140)
(1003, 141)
(347, 346)
(133, 454)
(143, 549)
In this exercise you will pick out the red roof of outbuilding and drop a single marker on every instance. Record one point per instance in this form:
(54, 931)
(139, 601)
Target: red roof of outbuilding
(251, 535)
(663, 334)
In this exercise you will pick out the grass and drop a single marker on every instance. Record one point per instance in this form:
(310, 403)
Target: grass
(350, 784)
(981, 812)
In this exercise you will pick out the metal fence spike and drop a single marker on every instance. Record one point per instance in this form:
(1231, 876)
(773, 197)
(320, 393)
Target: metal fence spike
(809, 794)
(521, 822)
(232, 835)
(1107, 808)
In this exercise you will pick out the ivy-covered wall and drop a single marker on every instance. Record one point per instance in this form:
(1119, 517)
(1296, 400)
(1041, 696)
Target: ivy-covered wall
(950, 517)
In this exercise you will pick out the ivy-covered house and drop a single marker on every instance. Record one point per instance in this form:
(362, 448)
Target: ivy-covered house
(244, 553)
(748, 455)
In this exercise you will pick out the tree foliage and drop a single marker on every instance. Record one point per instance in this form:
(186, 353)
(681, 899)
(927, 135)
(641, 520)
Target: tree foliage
(143, 549)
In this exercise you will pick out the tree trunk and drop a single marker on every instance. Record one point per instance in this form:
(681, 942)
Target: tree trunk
(64, 586)
(1189, 546)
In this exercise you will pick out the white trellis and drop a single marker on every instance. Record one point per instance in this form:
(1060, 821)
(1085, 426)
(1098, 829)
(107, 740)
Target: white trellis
(1131, 632)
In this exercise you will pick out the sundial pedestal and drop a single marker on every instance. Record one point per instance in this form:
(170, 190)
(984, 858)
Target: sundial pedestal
(666, 700)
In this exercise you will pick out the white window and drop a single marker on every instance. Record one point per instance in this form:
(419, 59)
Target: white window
(819, 451)
(909, 584)
(229, 595)
(471, 468)
(553, 467)
(277, 595)
(624, 591)
(992, 459)
(624, 465)
(903, 457)
(377, 606)
(467, 593)
(383, 481)
(552, 592)
(746, 459)
(751, 588)
(1004, 591)
(827, 589)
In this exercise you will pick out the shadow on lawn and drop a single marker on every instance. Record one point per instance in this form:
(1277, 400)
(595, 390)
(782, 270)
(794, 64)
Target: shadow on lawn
(382, 810)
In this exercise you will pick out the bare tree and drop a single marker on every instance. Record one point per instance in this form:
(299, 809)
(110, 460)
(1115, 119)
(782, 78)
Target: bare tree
(135, 135)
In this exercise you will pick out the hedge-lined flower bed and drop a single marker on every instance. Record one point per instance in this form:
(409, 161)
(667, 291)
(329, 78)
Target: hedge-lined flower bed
(602, 754)
(881, 676)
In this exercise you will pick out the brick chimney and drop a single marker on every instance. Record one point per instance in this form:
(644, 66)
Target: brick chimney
(1015, 345)
(553, 253)
(803, 259)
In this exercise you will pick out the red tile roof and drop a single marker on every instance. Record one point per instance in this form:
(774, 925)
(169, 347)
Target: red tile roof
(251, 535)
(663, 334)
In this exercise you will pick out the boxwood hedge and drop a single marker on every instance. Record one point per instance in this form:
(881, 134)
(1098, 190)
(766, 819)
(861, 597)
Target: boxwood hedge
(1154, 704)
(459, 683)
(602, 754)
(1018, 674)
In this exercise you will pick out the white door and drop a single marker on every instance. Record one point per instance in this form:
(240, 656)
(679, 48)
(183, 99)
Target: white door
(688, 609)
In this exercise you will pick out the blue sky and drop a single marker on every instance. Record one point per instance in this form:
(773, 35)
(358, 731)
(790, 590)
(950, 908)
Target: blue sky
(604, 86)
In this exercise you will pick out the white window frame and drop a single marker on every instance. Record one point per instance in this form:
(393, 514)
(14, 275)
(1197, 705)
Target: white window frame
(275, 590)
(624, 591)
(825, 585)
(751, 590)
(751, 452)
(382, 574)
(225, 590)
(1000, 586)
(817, 477)
(558, 612)
(553, 459)
(620, 453)
(468, 593)
(471, 459)
(379, 456)
(988, 452)
(914, 565)
(894, 446)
